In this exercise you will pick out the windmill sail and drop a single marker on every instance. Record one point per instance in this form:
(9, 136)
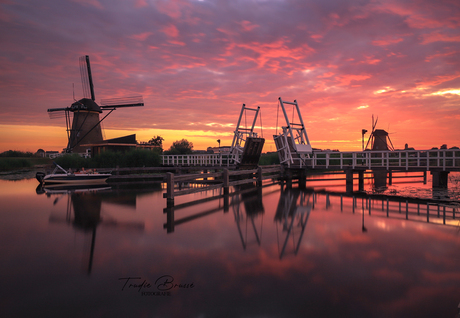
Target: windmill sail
(132, 101)
(86, 78)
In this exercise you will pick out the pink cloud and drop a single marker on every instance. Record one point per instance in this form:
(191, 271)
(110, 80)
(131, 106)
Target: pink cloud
(170, 30)
(94, 3)
(141, 36)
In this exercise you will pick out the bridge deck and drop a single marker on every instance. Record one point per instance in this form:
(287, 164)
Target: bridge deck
(435, 159)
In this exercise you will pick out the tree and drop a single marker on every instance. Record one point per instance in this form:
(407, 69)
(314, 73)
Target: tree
(157, 141)
(181, 147)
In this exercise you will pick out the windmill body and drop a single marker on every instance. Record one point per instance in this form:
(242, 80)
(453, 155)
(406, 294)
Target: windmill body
(379, 138)
(86, 128)
(83, 116)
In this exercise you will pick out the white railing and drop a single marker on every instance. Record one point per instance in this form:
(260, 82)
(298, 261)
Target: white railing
(444, 159)
(196, 160)
(402, 159)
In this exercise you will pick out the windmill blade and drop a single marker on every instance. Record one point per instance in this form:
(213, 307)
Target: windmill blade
(392, 147)
(367, 144)
(54, 113)
(86, 78)
(112, 103)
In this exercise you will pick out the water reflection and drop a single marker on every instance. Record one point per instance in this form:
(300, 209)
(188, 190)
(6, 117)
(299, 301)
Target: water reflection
(248, 207)
(295, 206)
(265, 252)
(293, 210)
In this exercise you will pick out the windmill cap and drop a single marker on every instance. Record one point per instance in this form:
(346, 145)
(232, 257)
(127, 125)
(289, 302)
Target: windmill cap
(85, 104)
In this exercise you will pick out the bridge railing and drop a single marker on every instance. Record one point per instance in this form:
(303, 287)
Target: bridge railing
(196, 160)
(402, 159)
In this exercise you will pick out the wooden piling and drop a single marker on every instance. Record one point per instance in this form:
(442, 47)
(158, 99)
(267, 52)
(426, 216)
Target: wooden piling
(226, 181)
(169, 189)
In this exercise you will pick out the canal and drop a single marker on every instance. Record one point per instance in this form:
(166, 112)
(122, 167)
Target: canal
(116, 251)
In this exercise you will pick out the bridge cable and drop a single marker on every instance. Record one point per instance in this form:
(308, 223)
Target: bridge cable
(261, 126)
(277, 111)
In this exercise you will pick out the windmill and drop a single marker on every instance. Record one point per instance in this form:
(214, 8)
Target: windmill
(82, 117)
(378, 138)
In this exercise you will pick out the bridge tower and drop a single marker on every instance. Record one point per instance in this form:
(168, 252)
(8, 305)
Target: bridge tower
(246, 145)
(292, 144)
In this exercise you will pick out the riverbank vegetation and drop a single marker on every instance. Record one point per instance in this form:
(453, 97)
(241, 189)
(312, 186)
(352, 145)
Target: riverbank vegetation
(17, 160)
(110, 159)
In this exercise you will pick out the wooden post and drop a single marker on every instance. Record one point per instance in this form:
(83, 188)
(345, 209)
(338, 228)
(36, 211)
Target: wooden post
(226, 181)
(169, 189)
(259, 176)
(169, 225)
(226, 202)
(407, 210)
(288, 178)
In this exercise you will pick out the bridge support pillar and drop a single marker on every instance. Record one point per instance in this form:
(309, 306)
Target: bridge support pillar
(361, 180)
(302, 179)
(349, 181)
(439, 179)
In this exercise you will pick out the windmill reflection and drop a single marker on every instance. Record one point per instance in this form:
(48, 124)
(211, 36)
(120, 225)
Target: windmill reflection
(251, 197)
(293, 210)
(86, 204)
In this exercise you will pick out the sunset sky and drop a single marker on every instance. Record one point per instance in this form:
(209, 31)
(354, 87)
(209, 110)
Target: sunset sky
(196, 62)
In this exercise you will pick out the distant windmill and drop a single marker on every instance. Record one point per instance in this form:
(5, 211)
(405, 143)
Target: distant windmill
(378, 138)
(85, 127)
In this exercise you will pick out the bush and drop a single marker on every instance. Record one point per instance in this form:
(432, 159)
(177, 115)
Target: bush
(141, 158)
(16, 154)
(269, 159)
(110, 159)
(73, 161)
(14, 163)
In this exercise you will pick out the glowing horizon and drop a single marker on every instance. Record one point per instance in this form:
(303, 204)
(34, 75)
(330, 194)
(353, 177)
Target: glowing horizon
(197, 62)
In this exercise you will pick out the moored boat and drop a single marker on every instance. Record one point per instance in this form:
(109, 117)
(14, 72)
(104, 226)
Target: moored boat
(62, 176)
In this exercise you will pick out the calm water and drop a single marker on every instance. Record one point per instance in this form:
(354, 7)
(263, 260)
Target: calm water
(270, 252)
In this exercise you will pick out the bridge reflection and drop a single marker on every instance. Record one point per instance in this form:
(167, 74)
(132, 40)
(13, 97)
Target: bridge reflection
(295, 206)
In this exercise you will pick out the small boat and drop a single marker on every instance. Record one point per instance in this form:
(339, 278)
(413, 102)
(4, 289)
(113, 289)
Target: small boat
(62, 176)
